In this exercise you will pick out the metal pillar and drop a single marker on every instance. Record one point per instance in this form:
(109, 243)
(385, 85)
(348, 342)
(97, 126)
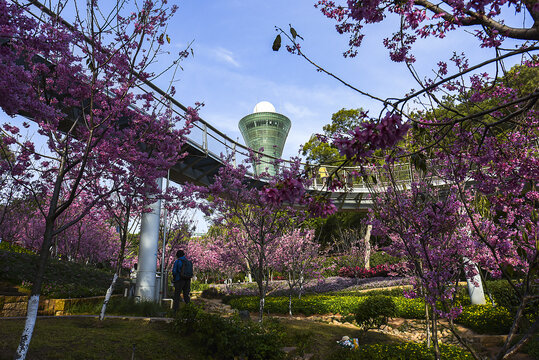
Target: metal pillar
(164, 278)
(147, 259)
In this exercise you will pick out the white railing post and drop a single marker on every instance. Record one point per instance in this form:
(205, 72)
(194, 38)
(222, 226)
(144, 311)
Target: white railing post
(205, 139)
(234, 156)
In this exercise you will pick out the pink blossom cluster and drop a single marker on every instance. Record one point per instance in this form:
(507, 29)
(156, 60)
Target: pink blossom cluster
(423, 19)
(92, 240)
(361, 142)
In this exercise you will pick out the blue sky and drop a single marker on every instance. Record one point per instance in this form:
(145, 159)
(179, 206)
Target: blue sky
(234, 66)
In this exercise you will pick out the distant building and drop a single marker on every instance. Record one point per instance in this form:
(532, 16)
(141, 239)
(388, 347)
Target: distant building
(265, 128)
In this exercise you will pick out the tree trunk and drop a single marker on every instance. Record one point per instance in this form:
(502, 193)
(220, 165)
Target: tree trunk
(33, 301)
(290, 302)
(427, 323)
(261, 309)
(107, 296)
(248, 274)
(435, 334)
(368, 247)
(123, 242)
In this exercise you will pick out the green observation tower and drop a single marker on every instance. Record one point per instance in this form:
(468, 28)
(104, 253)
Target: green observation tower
(265, 128)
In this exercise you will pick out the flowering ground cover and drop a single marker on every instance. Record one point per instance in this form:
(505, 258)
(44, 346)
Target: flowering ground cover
(334, 283)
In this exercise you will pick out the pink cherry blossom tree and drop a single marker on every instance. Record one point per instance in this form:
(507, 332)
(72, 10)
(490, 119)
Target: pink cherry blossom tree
(206, 261)
(464, 122)
(428, 229)
(76, 82)
(298, 256)
(257, 210)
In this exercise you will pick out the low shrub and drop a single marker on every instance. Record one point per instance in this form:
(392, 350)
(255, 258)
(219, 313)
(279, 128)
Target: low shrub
(199, 286)
(212, 293)
(4, 245)
(532, 347)
(502, 293)
(63, 279)
(116, 306)
(230, 338)
(325, 304)
(374, 312)
(409, 308)
(381, 257)
(407, 351)
(486, 319)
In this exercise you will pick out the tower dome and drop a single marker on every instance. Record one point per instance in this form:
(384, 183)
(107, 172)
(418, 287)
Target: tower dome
(264, 106)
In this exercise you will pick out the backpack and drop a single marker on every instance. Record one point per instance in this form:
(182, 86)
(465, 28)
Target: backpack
(187, 270)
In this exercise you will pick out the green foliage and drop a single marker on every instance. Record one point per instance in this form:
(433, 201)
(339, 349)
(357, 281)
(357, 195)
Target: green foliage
(404, 351)
(375, 311)
(229, 338)
(486, 319)
(532, 347)
(63, 279)
(212, 293)
(4, 245)
(199, 286)
(381, 258)
(91, 339)
(502, 293)
(329, 228)
(116, 306)
(409, 308)
(327, 304)
(504, 296)
(342, 121)
(483, 319)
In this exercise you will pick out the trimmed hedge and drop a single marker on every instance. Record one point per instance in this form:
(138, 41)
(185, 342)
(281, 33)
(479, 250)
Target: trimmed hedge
(404, 351)
(486, 319)
(375, 311)
(326, 304)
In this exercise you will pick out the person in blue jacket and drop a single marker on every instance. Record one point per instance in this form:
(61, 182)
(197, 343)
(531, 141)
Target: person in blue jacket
(182, 281)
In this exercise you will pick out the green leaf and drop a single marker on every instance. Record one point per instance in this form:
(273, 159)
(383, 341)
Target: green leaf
(277, 43)
(293, 32)
(522, 253)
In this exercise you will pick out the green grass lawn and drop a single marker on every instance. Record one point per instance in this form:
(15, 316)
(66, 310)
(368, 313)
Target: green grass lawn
(87, 338)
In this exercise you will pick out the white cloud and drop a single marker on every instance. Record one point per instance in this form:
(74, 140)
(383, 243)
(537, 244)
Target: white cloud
(298, 111)
(226, 56)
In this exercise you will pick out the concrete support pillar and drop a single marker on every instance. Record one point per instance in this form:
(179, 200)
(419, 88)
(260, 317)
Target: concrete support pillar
(475, 286)
(147, 259)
